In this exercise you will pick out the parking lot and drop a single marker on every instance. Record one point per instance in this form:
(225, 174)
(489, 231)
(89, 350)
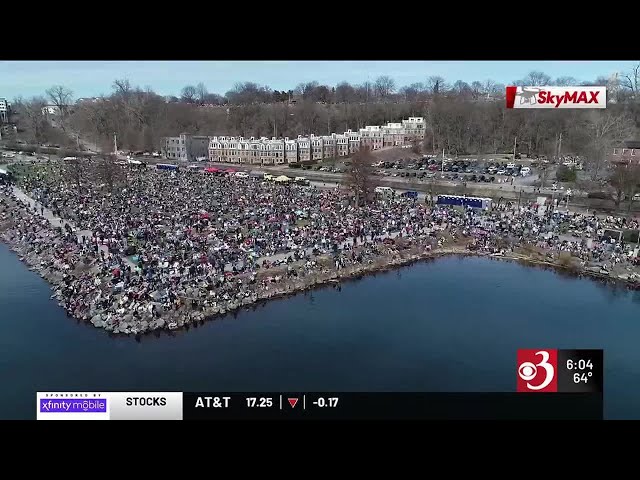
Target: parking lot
(463, 171)
(468, 171)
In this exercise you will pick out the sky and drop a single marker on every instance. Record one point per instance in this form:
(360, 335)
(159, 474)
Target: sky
(93, 78)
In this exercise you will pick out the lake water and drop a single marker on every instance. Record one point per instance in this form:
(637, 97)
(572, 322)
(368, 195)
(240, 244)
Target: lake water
(449, 325)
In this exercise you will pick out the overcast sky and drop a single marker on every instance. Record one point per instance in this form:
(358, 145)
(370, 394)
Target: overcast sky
(92, 78)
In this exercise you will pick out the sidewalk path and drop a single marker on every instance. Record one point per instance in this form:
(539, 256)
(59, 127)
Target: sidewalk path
(59, 222)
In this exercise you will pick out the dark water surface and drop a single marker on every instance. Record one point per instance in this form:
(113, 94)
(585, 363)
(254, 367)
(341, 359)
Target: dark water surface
(450, 325)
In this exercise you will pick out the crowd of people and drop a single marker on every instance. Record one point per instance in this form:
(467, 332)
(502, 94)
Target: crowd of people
(160, 249)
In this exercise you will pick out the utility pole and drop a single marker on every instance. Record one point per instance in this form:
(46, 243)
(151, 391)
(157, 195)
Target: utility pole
(366, 104)
(519, 197)
(560, 146)
(515, 143)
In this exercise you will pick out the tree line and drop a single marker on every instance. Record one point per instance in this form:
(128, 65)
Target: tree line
(461, 118)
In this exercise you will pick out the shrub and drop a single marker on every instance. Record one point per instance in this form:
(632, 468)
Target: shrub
(565, 174)
(566, 260)
(599, 195)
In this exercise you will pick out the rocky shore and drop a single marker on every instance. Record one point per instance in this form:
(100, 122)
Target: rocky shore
(190, 309)
(185, 316)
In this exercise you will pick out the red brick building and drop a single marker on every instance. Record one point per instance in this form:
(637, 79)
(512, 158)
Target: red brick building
(628, 153)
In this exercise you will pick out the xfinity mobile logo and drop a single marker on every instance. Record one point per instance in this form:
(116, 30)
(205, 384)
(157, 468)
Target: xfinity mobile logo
(556, 97)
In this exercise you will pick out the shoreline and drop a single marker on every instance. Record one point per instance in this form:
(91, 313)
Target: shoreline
(192, 305)
(184, 317)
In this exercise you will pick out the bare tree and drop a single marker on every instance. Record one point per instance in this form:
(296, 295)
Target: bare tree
(435, 85)
(345, 93)
(306, 89)
(476, 89)
(462, 89)
(32, 118)
(605, 130)
(416, 146)
(411, 93)
(321, 93)
(535, 78)
(384, 86)
(122, 87)
(188, 94)
(248, 93)
(61, 97)
(201, 93)
(633, 184)
(360, 177)
(631, 81)
(624, 179)
(566, 81)
(214, 99)
(543, 175)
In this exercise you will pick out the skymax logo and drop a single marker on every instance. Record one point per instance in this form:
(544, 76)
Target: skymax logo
(556, 97)
(573, 97)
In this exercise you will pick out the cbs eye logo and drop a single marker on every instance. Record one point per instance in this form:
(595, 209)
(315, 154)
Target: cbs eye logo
(537, 371)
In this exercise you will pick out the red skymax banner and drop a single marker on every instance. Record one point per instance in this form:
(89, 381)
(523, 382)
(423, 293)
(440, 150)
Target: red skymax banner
(556, 97)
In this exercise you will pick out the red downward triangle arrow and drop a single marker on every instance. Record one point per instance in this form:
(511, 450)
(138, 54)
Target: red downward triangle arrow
(293, 402)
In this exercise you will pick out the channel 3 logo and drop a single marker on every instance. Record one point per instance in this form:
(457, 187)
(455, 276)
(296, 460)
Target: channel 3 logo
(537, 371)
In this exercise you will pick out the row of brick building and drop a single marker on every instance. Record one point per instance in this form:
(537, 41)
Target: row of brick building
(292, 150)
(627, 153)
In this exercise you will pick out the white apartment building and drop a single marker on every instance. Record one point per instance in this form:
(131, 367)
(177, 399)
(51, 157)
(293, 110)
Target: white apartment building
(329, 146)
(393, 135)
(261, 151)
(265, 151)
(414, 127)
(304, 148)
(271, 151)
(290, 150)
(342, 144)
(4, 110)
(230, 150)
(317, 150)
(371, 137)
(354, 141)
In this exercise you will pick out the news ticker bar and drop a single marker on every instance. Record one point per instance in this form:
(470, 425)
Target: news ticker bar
(317, 406)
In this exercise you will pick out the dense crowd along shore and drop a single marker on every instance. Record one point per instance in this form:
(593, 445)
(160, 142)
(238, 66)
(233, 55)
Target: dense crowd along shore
(162, 250)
